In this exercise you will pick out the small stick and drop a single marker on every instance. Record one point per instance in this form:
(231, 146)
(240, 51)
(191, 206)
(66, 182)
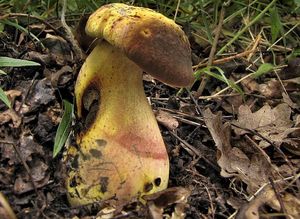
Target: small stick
(205, 79)
(69, 35)
(176, 11)
(254, 47)
(226, 59)
(273, 185)
(191, 148)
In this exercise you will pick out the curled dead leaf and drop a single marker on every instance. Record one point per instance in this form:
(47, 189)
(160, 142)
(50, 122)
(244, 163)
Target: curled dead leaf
(267, 196)
(157, 202)
(166, 120)
(271, 89)
(10, 116)
(252, 168)
(274, 124)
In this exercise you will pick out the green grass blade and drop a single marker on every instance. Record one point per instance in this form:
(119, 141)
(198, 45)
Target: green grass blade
(4, 98)
(11, 62)
(220, 77)
(238, 34)
(17, 26)
(63, 129)
(276, 25)
(263, 69)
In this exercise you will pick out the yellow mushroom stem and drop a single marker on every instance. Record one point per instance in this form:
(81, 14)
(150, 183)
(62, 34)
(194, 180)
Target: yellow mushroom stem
(120, 153)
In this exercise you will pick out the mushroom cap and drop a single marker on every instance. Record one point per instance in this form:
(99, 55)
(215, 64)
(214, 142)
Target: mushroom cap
(155, 43)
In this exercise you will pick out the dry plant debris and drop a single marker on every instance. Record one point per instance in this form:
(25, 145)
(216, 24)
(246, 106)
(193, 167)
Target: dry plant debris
(231, 155)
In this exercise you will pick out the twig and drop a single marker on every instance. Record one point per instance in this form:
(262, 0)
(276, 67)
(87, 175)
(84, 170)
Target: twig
(205, 79)
(186, 121)
(273, 185)
(69, 35)
(213, 210)
(176, 11)
(193, 150)
(254, 47)
(226, 88)
(226, 59)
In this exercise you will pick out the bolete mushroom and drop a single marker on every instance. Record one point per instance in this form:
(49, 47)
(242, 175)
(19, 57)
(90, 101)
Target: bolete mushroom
(120, 152)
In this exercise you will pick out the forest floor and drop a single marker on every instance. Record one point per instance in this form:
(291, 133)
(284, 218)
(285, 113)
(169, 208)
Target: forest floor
(233, 149)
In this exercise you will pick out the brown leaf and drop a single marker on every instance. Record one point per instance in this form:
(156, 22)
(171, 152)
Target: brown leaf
(253, 169)
(274, 124)
(251, 209)
(13, 94)
(166, 120)
(271, 89)
(39, 175)
(10, 116)
(58, 47)
(268, 197)
(62, 76)
(27, 148)
(231, 104)
(158, 201)
(41, 93)
(288, 101)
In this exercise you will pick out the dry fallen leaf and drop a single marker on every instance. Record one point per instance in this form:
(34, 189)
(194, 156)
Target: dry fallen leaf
(274, 124)
(251, 209)
(271, 89)
(268, 197)
(39, 175)
(231, 104)
(62, 76)
(166, 120)
(10, 116)
(58, 46)
(253, 169)
(157, 202)
(288, 101)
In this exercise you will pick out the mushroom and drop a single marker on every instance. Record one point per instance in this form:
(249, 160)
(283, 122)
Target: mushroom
(119, 151)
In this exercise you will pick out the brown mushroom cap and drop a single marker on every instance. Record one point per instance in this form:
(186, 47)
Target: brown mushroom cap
(152, 41)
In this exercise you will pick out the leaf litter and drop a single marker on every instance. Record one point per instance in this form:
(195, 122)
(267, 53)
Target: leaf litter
(243, 163)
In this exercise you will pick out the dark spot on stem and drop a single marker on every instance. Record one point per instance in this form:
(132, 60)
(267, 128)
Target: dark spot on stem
(71, 194)
(90, 104)
(157, 181)
(95, 153)
(73, 182)
(74, 163)
(86, 157)
(103, 184)
(148, 187)
(101, 142)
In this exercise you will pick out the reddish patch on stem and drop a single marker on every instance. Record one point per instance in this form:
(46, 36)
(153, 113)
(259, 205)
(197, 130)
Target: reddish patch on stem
(142, 147)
